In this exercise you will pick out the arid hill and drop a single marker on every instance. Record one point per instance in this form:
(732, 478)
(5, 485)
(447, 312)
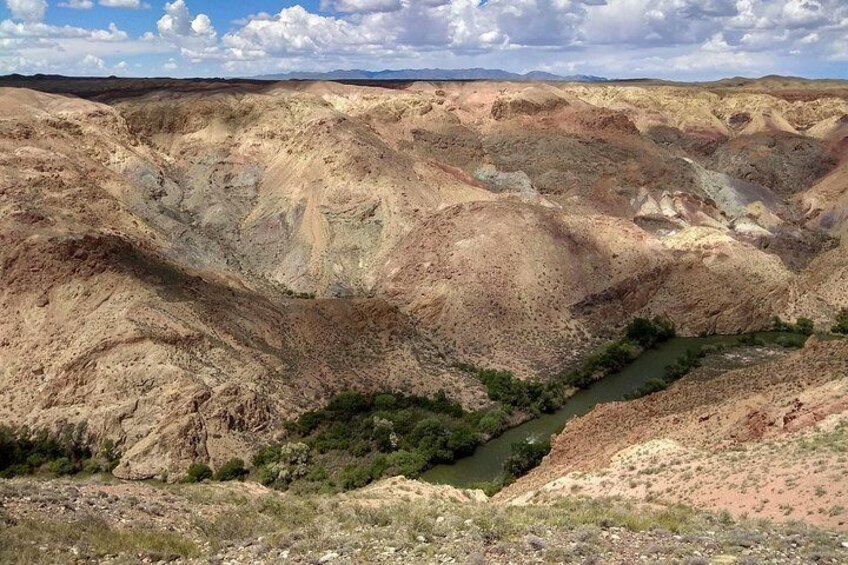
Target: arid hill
(162, 241)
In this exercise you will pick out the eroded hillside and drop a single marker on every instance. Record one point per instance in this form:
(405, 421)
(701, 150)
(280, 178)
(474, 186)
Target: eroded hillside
(162, 240)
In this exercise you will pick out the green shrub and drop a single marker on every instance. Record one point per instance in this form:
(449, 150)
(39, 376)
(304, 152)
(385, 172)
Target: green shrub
(491, 423)
(61, 466)
(197, 473)
(232, 470)
(648, 333)
(534, 396)
(110, 454)
(804, 326)
(347, 404)
(266, 454)
(91, 466)
(385, 401)
(462, 441)
(841, 325)
(24, 451)
(406, 463)
(650, 387)
(525, 456)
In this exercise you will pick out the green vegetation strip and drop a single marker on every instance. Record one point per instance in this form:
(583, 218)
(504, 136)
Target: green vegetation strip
(24, 451)
(359, 438)
(797, 336)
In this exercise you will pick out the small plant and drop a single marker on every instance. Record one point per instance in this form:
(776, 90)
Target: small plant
(232, 470)
(841, 325)
(197, 473)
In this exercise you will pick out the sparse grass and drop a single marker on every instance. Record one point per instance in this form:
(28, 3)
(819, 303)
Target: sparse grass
(34, 541)
(410, 519)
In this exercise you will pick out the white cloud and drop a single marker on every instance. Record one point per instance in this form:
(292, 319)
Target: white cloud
(177, 23)
(129, 4)
(93, 62)
(803, 13)
(361, 6)
(615, 37)
(77, 4)
(170, 65)
(195, 37)
(40, 47)
(27, 10)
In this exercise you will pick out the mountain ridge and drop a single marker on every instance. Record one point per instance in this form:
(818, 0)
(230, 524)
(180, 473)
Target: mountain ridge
(429, 74)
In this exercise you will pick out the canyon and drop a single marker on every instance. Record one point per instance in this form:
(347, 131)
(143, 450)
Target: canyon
(188, 265)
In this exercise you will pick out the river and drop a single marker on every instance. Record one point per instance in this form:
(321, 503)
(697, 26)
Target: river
(486, 463)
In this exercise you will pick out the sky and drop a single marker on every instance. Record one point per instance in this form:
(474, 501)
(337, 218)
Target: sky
(673, 39)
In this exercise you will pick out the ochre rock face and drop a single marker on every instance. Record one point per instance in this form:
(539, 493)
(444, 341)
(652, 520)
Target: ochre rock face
(153, 235)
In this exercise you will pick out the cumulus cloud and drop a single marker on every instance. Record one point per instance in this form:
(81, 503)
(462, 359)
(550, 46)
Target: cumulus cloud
(178, 25)
(613, 37)
(36, 46)
(27, 10)
(93, 62)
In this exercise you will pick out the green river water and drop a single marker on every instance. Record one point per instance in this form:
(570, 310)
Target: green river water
(486, 463)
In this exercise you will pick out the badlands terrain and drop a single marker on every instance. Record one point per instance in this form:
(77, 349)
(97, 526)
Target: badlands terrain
(188, 265)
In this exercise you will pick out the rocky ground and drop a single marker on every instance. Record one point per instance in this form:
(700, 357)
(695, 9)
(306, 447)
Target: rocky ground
(395, 521)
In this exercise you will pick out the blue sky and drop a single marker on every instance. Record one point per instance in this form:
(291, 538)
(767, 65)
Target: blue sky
(676, 39)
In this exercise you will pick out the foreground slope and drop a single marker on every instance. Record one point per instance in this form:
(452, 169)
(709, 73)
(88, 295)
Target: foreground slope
(395, 521)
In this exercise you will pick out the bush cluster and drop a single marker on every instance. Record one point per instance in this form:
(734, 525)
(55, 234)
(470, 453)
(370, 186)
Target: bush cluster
(359, 438)
(803, 326)
(677, 370)
(68, 451)
(640, 334)
(532, 396)
(232, 470)
(649, 333)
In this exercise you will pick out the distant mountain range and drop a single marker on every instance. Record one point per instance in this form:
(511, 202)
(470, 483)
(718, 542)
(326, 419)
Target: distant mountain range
(428, 74)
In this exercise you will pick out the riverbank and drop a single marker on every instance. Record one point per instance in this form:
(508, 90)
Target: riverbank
(485, 465)
(764, 441)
